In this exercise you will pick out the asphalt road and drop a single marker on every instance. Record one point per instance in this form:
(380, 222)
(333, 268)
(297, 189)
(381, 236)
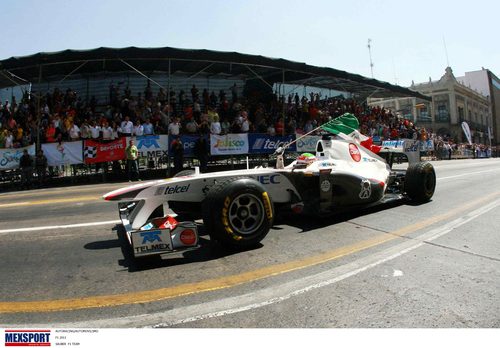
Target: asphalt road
(65, 263)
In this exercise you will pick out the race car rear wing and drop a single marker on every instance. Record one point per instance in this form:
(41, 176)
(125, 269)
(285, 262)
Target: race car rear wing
(408, 148)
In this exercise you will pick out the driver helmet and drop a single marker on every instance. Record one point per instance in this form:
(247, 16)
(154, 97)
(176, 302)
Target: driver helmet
(306, 158)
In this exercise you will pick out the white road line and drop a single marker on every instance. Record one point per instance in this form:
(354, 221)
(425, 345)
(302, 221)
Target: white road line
(278, 293)
(467, 174)
(42, 228)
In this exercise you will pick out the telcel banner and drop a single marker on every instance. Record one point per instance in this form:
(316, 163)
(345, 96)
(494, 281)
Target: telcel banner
(229, 144)
(263, 143)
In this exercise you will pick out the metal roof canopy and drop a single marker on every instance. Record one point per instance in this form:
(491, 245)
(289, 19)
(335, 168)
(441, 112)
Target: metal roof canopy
(57, 66)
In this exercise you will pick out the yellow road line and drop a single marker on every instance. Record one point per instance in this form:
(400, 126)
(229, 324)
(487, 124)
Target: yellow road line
(51, 201)
(228, 281)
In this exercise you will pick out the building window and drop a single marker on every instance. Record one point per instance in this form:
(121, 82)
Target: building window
(442, 114)
(423, 115)
(461, 117)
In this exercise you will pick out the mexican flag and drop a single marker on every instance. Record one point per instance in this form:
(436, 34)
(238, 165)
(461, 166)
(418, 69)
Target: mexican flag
(348, 125)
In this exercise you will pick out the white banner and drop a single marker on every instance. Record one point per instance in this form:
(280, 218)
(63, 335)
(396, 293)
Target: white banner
(151, 145)
(467, 132)
(64, 153)
(229, 144)
(307, 143)
(9, 158)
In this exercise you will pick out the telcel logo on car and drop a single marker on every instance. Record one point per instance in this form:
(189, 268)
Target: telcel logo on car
(170, 190)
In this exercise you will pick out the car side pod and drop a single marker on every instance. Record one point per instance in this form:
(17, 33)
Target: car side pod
(420, 182)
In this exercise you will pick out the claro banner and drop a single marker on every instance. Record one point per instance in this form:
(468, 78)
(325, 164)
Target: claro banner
(229, 144)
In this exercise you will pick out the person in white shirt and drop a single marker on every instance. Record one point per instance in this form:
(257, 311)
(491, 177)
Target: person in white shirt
(174, 127)
(271, 131)
(115, 131)
(94, 130)
(138, 129)
(85, 130)
(245, 123)
(215, 127)
(9, 140)
(107, 131)
(127, 127)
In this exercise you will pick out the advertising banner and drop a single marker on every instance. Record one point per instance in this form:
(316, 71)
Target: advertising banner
(63, 153)
(466, 129)
(9, 158)
(229, 144)
(96, 152)
(393, 143)
(263, 143)
(151, 146)
(307, 143)
(427, 145)
(189, 143)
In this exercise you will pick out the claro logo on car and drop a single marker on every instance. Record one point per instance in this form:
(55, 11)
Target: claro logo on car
(354, 152)
(27, 338)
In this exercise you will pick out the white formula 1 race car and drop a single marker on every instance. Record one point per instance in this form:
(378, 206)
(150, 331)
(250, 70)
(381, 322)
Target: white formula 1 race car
(238, 207)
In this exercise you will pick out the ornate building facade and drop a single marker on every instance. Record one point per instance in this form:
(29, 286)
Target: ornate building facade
(452, 103)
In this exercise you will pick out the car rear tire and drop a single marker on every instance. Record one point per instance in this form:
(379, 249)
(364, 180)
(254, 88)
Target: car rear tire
(420, 182)
(238, 213)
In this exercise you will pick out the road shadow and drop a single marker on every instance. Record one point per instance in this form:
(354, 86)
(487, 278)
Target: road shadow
(311, 223)
(210, 250)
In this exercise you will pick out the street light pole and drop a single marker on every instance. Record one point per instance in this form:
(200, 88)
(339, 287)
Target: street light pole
(370, 54)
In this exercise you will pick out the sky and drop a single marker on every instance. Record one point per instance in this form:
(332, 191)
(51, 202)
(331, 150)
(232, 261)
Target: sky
(410, 40)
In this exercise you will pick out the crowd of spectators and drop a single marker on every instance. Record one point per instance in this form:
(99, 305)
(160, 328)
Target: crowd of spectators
(64, 116)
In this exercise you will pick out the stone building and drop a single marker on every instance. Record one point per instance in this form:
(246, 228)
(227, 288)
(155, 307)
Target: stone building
(452, 103)
(485, 82)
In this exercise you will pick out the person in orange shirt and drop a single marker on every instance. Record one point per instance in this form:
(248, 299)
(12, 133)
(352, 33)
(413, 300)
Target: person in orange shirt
(50, 133)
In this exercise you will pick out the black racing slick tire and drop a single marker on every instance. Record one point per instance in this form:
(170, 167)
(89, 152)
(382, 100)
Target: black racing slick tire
(420, 182)
(238, 213)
